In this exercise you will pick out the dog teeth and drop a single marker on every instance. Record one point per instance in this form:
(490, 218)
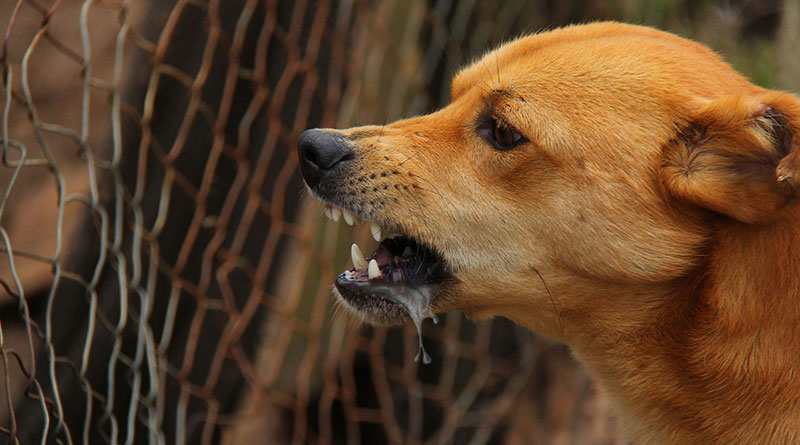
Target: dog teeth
(373, 271)
(349, 217)
(407, 252)
(376, 231)
(358, 258)
(334, 213)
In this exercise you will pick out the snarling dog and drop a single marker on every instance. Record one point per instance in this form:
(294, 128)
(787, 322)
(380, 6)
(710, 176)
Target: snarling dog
(615, 187)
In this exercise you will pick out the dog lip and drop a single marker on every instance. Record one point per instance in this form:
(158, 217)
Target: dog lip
(351, 289)
(373, 301)
(381, 303)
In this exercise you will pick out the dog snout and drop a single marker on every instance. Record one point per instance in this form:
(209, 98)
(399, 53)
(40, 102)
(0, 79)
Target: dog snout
(321, 153)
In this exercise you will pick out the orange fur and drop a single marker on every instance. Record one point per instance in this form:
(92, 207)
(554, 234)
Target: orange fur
(656, 197)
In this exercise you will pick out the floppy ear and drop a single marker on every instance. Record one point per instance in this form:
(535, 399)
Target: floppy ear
(738, 156)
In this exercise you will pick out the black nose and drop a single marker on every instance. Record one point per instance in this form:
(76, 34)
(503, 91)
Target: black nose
(320, 153)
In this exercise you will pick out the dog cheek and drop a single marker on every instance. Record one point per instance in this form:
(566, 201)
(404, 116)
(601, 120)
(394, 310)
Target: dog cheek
(621, 240)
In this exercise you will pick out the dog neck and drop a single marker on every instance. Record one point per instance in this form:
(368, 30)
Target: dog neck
(724, 337)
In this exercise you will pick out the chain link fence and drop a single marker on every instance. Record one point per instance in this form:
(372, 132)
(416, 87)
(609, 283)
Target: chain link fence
(164, 277)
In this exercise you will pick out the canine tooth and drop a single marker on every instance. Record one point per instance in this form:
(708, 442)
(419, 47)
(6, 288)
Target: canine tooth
(328, 212)
(358, 258)
(376, 231)
(336, 212)
(373, 271)
(348, 216)
(407, 252)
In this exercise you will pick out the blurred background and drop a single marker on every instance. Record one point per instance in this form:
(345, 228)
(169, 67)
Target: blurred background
(163, 277)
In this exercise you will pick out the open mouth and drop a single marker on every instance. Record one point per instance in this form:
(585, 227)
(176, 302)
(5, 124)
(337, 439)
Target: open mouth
(397, 281)
(400, 273)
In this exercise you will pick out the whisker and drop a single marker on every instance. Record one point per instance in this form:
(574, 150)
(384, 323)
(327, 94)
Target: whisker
(337, 308)
(431, 190)
(408, 159)
(486, 67)
(404, 195)
(497, 63)
(552, 300)
(380, 135)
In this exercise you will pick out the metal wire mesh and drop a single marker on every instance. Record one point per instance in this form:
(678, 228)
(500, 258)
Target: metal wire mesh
(166, 281)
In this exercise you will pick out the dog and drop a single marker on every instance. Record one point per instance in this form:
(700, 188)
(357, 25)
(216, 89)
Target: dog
(615, 187)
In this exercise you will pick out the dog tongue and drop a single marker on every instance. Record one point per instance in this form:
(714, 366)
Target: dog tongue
(417, 302)
(382, 255)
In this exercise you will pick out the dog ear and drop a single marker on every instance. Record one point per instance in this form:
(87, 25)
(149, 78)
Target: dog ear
(738, 156)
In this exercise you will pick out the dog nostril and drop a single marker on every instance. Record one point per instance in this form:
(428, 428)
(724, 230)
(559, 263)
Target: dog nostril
(311, 157)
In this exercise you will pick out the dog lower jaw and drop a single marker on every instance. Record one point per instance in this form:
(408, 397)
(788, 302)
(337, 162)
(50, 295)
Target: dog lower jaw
(375, 311)
(390, 308)
(414, 302)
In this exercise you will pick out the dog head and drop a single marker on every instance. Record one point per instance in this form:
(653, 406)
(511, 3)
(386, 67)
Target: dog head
(568, 165)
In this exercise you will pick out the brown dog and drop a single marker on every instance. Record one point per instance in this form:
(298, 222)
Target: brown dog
(615, 187)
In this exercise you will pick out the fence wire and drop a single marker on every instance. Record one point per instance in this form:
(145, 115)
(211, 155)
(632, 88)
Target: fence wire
(165, 279)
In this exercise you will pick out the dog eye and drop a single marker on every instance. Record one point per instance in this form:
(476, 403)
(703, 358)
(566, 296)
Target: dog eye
(501, 135)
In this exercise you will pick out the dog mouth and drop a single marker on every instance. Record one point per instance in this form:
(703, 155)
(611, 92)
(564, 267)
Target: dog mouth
(397, 281)
(398, 274)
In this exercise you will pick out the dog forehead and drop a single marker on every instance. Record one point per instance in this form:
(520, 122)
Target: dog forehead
(603, 54)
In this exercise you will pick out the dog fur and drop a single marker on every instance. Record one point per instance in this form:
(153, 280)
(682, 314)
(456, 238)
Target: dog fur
(648, 219)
